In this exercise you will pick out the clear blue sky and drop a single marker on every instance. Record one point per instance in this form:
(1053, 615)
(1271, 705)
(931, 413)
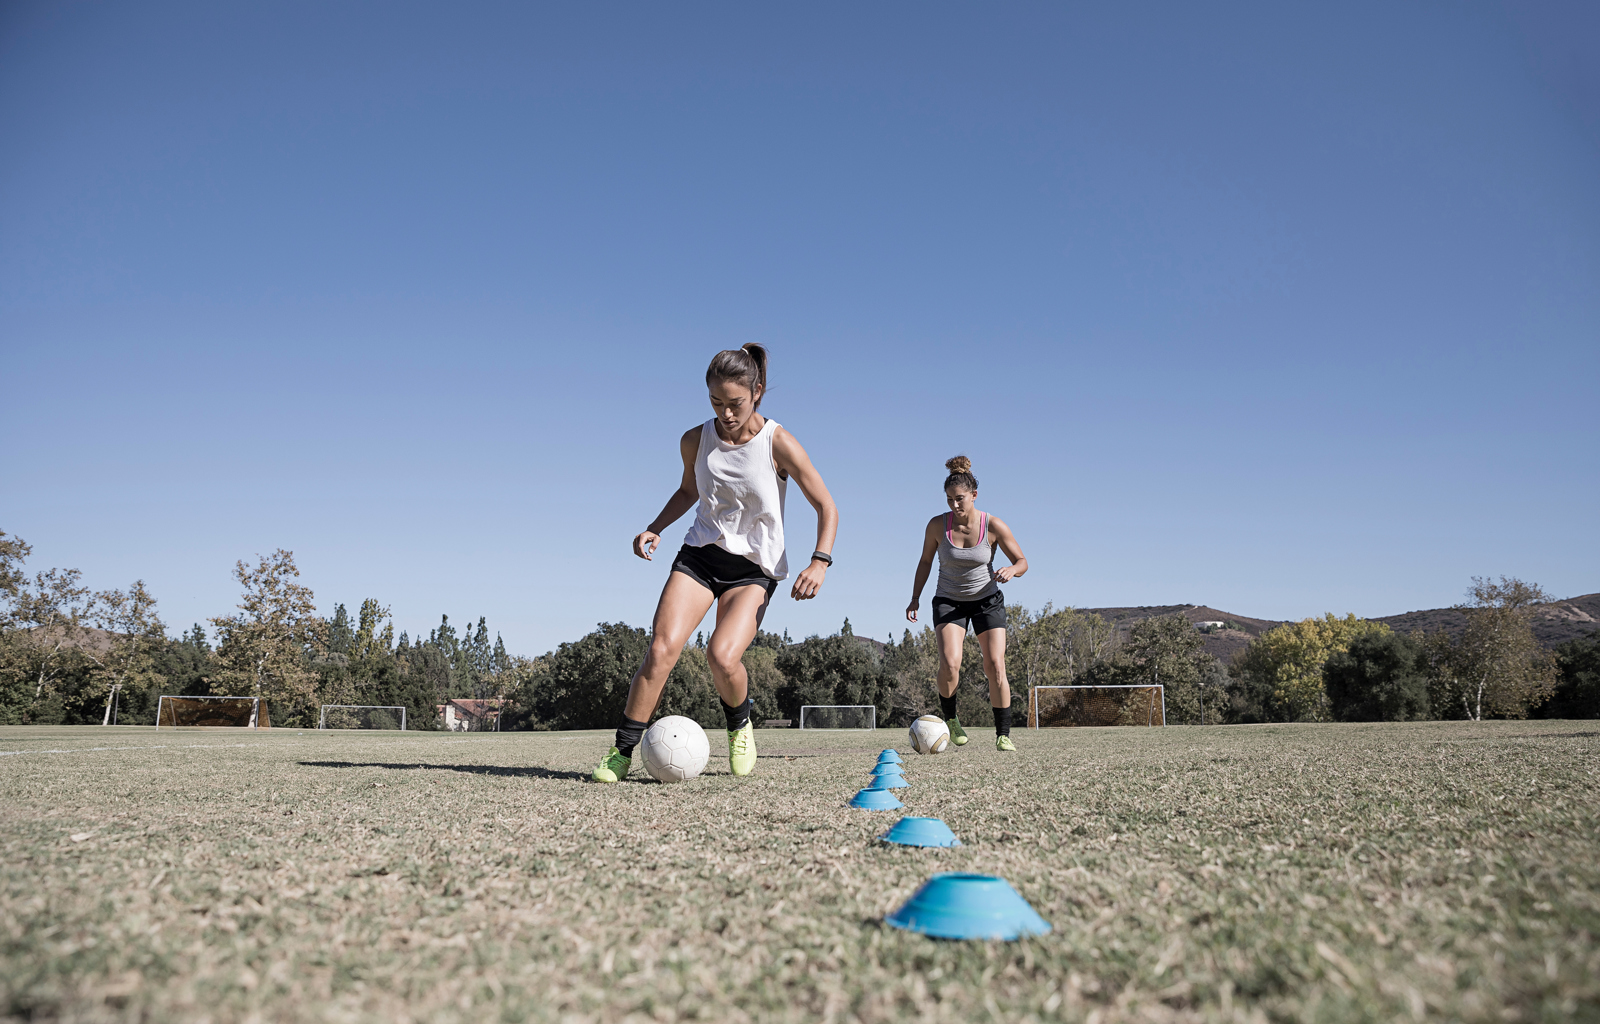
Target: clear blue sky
(1279, 308)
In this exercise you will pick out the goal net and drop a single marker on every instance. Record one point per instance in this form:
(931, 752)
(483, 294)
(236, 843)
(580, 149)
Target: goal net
(838, 716)
(1059, 706)
(213, 712)
(362, 716)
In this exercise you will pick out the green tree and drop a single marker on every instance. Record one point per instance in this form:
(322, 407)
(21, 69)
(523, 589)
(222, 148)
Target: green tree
(1577, 693)
(136, 635)
(1169, 651)
(1381, 677)
(1495, 668)
(265, 645)
(586, 684)
(1053, 648)
(1280, 673)
(838, 669)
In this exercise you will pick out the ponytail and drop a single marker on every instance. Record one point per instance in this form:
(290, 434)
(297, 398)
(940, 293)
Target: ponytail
(746, 366)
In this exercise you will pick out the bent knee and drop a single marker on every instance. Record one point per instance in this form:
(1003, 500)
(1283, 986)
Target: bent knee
(722, 660)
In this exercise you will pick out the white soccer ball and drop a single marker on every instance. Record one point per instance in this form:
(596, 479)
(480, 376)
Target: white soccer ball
(675, 749)
(929, 735)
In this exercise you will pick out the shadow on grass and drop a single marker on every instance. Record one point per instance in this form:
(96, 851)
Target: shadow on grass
(528, 771)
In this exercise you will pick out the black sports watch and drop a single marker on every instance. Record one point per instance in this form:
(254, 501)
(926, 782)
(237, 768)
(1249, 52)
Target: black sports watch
(822, 556)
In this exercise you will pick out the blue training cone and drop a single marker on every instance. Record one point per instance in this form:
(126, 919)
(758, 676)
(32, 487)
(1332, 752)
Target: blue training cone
(887, 768)
(889, 757)
(909, 831)
(876, 800)
(963, 906)
(888, 782)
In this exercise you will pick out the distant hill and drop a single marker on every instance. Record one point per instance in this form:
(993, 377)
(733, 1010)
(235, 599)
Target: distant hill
(1554, 623)
(1223, 644)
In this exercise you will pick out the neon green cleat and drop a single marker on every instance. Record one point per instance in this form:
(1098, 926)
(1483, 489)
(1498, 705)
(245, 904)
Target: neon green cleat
(1004, 743)
(614, 768)
(958, 735)
(742, 749)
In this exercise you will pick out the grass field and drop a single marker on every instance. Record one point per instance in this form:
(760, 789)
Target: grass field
(1435, 870)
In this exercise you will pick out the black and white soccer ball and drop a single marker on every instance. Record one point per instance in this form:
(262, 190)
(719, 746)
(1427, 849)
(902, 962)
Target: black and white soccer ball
(675, 749)
(929, 735)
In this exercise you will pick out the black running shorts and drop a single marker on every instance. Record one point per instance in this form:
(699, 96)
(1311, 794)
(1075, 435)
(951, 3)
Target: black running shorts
(985, 613)
(718, 571)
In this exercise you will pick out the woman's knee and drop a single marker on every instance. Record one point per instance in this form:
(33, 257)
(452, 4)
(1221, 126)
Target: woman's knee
(724, 659)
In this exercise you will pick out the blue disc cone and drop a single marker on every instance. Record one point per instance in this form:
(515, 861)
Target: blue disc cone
(889, 757)
(889, 782)
(876, 800)
(909, 831)
(962, 906)
(887, 768)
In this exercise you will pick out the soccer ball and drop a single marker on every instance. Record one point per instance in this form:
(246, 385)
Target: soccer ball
(675, 749)
(929, 735)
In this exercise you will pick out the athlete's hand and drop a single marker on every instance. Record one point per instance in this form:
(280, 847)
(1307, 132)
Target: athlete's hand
(645, 545)
(809, 581)
(1004, 575)
(911, 612)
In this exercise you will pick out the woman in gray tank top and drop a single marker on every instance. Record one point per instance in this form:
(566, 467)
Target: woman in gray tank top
(968, 593)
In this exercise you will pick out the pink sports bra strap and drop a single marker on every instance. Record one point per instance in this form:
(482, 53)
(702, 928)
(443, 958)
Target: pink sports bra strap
(949, 526)
(983, 526)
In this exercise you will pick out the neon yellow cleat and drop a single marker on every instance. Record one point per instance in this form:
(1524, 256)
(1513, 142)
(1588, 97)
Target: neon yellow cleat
(742, 749)
(614, 768)
(1004, 743)
(958, 735)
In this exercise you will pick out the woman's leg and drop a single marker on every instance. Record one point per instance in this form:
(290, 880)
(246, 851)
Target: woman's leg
(739, 615)
(993, 644)
(952, 642)
(684, 603)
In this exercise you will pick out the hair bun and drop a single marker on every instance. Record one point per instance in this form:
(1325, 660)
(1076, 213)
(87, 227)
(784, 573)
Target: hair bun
(959, 464)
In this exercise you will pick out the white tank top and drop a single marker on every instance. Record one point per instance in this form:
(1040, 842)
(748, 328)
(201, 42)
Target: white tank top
(741, 499)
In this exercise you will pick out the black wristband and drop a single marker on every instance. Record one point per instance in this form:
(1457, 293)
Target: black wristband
(822, 556)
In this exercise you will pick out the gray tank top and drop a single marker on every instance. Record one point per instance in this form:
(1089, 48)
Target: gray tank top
(966, 574)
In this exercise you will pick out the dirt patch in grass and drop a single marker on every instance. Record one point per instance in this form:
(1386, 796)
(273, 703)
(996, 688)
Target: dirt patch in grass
(1432, 870)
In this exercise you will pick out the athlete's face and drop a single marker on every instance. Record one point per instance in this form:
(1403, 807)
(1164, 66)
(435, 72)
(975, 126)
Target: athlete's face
(960, 500)
(734, 405)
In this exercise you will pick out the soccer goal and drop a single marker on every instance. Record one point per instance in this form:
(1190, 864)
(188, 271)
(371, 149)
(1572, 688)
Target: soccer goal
(362, 716)
(838, 716)
(1061, 706)
(213, 712)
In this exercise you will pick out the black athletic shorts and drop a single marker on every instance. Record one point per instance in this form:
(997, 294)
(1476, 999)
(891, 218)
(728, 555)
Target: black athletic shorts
(718, 571)
(985, 613)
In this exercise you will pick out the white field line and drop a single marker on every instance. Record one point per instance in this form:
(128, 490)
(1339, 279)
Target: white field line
(159, 746)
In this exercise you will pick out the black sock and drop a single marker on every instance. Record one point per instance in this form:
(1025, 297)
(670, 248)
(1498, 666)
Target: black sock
(628, 735)
(737, 717)
(947, 705)
(1002, 720)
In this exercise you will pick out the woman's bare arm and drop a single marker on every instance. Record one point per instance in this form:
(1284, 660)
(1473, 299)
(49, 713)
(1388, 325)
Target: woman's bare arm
(793, 460)
(930, 545)
(682, 499)
(1008, 543)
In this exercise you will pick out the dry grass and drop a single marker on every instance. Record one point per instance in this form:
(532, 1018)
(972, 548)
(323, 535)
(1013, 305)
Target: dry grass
(1442, 870)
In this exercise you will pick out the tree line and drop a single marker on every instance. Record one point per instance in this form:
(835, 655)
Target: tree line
(69, 655)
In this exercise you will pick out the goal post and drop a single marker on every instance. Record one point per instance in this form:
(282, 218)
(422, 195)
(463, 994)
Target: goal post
(362, 716)
(1125, 704)
(174, 710)
(839, 716)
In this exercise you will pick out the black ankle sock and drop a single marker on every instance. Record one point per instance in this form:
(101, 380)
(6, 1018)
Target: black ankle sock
(737, 717)
(947, 705)
(628, 735)
(1002, 720)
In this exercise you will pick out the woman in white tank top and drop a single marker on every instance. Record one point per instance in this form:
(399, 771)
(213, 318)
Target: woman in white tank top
(736, 470)
(969, 594)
